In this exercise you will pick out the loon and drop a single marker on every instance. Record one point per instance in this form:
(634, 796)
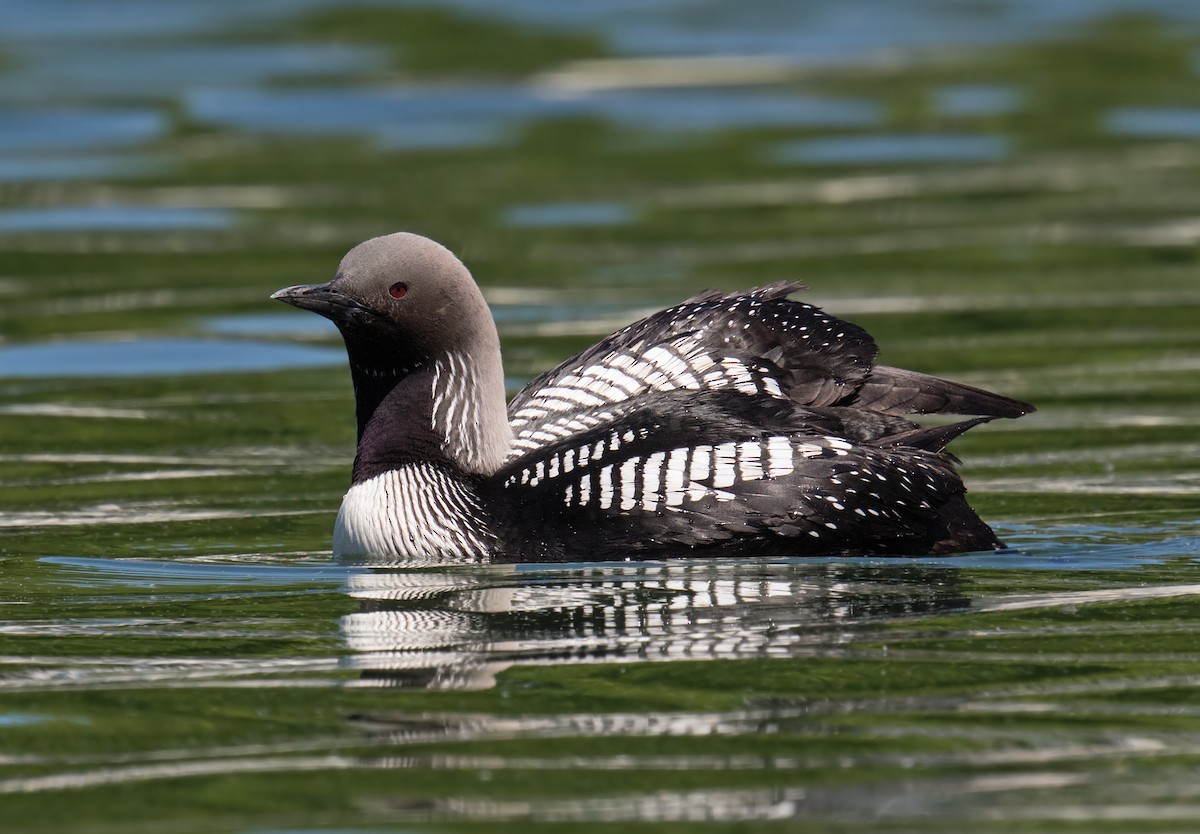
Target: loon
(741, 424)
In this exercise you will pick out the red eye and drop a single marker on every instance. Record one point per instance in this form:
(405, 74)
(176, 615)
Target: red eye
(398, 290)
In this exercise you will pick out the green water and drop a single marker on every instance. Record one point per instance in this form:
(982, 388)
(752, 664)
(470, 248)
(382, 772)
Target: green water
(998, 194)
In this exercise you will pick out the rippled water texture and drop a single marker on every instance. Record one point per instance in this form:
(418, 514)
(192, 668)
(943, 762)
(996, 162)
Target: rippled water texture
(1004, 193)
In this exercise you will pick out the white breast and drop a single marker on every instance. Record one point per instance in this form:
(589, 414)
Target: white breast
(415, 513)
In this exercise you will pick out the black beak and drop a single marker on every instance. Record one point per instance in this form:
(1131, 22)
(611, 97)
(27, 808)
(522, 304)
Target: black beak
(322, 299)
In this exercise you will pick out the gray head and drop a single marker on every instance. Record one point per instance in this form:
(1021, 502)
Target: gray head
(401, 298)
(403, 302)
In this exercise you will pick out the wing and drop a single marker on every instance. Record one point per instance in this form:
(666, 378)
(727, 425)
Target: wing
(755, 342)
(578, 400)
(629, 484)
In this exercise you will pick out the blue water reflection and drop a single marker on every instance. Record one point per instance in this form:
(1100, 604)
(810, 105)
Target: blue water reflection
(19, 719)
(71, 20)
(113, 219)
(30, 168)
(969, 100)
(874, 149)
(270, 324)
(568, 214)
(158, 356)
(88, 572)
(1154, 122)
(716, 109)
(68, 142)
(408, 116)
(823, 31)
(465, 115)
(82, 127)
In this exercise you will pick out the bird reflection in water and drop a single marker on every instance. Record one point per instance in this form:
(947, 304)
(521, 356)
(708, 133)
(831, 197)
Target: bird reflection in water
(458, 628)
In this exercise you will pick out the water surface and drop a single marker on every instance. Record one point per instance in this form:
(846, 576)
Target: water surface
(1001, 193)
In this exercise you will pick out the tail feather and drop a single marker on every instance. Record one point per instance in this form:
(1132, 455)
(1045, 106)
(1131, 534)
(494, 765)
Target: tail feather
(897, 391)
(934, 439)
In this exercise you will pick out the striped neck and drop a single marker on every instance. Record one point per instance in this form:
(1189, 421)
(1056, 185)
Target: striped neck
(449, 412)
(469, 411)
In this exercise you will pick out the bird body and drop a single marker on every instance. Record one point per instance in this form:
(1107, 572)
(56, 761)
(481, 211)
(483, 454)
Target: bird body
(730, 424)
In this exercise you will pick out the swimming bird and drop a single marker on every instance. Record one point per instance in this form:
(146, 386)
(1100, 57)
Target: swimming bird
(730, 424)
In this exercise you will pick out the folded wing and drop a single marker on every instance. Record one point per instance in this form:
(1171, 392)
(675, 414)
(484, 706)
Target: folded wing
(753, 343)
(783, 478)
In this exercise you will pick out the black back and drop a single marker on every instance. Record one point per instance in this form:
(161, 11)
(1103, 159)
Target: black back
(839, 496)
